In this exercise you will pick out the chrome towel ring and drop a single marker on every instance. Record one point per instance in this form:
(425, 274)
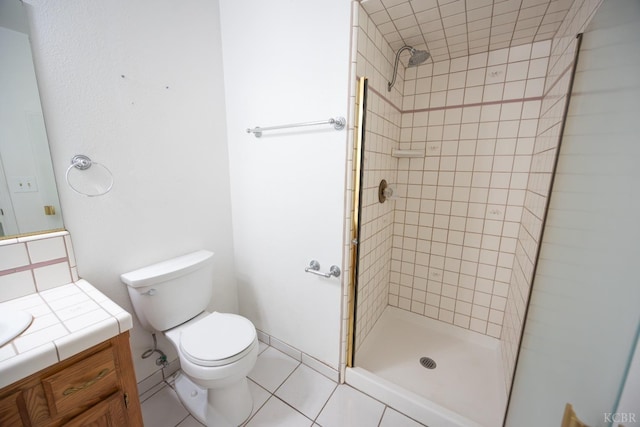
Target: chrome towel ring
(82, 163)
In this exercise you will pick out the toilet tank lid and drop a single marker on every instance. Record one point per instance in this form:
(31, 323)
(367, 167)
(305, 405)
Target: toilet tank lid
(167, 270)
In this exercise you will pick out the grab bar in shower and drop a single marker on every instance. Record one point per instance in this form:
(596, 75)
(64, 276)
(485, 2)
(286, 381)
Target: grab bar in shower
(314, 268)
(337, 122)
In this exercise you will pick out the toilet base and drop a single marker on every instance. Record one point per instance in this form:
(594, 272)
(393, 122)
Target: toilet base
(225, 407)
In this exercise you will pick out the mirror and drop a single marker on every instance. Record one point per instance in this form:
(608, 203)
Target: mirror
(29, 200)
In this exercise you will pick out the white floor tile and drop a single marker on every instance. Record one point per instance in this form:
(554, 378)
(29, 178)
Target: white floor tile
(163, 409)
(259, 395)
(306, 390)
(150, 384)
(393, 418)
(272, 368)
(190, 422)
(349, 407)
(149, 393)
(276, 413)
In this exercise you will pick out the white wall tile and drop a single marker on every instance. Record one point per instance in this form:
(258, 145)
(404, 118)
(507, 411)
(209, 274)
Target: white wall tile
(456, 221)
(52, 276)
(541, 49)
(493, 92)
(517, 71)
(16, 285)
(520, 53)
(538, 68)
(47, 249)
(514, 90)
(535, 87)
(12, 256)
(498, 57)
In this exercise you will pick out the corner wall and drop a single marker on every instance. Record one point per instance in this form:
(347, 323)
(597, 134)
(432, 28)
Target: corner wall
(287, 187)
(137, 86)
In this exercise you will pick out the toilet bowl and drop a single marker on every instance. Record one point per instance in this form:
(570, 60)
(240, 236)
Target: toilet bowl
(216, 350)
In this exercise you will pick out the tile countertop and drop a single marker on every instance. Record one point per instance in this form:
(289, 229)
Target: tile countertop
(66, 320)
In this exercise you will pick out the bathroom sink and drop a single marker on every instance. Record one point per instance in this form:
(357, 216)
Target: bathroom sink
(13, 323)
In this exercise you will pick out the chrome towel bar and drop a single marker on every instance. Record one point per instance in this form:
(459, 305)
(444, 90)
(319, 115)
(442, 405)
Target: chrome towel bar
(337, 122)
(314, 268)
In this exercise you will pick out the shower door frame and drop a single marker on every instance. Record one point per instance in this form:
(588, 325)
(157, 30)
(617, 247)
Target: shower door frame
(356, 213)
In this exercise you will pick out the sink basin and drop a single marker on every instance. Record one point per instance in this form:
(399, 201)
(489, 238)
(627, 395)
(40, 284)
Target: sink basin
(13, 323)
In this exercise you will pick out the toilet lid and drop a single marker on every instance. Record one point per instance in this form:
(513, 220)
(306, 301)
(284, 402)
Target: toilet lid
(217, 339)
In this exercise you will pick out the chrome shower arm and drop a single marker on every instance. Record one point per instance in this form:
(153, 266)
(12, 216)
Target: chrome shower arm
(395, 67)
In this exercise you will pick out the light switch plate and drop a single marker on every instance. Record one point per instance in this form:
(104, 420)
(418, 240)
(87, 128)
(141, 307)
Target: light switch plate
(23, 183)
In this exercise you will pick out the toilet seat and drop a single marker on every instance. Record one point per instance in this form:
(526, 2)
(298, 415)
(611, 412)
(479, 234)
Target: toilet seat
(217, 339)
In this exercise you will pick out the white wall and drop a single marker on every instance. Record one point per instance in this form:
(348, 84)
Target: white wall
(138, 87)
(583, 315)
(288, 62)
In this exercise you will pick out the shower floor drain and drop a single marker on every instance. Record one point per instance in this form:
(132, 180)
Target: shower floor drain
(428, 363)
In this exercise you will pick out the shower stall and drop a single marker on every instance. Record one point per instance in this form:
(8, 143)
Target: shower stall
(452, 163)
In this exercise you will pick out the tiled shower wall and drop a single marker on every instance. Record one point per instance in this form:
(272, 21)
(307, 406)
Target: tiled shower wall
(445, 247)
(457, 224)
(538, 187)
(382, 131)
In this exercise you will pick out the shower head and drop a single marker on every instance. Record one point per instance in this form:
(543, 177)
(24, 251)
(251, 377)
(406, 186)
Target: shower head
(417, 58)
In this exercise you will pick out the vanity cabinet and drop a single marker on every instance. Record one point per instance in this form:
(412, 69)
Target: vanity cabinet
(96, 387)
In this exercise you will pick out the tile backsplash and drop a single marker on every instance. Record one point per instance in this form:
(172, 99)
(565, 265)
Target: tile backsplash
(35, 263)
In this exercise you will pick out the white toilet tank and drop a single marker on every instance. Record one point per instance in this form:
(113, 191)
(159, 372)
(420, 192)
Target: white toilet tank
(171, 292)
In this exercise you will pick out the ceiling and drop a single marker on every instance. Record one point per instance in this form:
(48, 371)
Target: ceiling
(454, 28)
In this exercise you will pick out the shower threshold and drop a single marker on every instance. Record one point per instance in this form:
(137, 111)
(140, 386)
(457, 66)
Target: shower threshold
(465, 388)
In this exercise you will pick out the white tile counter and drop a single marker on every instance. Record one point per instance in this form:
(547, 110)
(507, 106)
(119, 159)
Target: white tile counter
(66, 320)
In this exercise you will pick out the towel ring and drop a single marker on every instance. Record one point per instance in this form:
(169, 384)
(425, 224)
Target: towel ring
(82, 162)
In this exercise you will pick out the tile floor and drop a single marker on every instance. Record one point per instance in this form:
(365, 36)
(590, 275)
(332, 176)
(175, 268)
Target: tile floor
(286, 393)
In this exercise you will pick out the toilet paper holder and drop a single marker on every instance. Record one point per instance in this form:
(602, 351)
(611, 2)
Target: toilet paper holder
(314, 268)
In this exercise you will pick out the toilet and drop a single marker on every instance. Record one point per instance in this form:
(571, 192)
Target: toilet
(216, 350)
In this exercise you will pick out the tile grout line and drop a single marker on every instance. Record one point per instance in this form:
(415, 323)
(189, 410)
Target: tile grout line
(260, 407)
(315, 421)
